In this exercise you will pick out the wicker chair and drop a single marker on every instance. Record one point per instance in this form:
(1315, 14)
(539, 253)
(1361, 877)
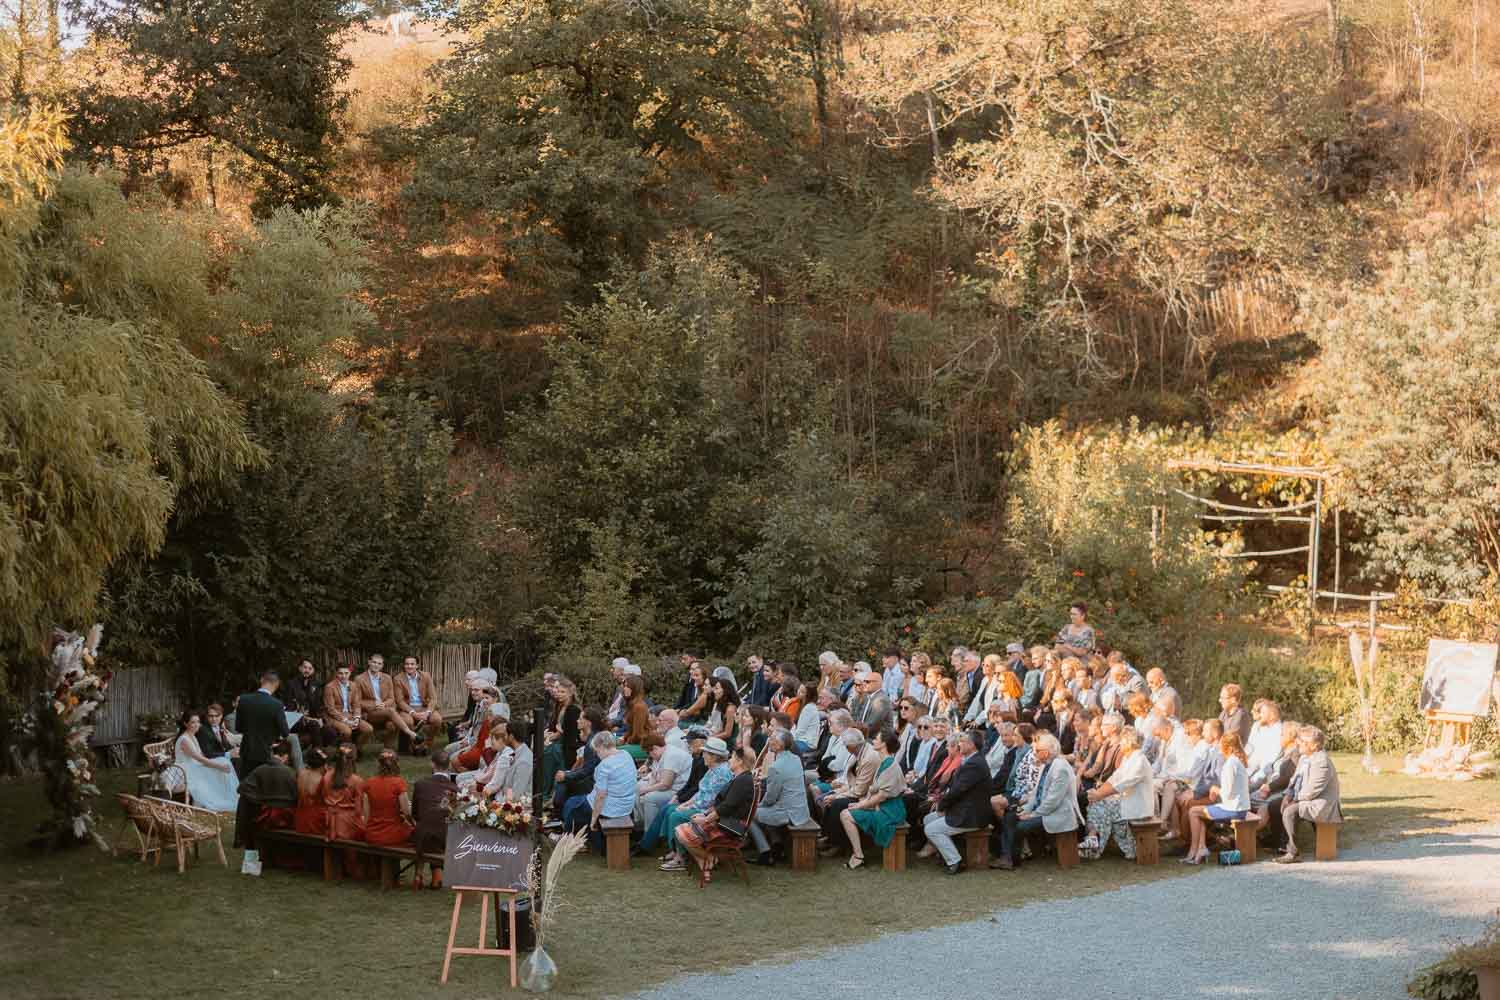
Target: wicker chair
(140, 818)
(172, 779)
(188, 826)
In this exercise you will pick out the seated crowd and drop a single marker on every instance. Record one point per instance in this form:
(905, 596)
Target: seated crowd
(1058, 739)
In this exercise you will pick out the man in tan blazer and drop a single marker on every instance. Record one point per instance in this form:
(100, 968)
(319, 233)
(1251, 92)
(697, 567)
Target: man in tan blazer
(341, 708)
(377, 699)
(417, 702)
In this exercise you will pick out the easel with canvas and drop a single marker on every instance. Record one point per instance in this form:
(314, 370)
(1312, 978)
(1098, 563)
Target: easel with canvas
(484, 927)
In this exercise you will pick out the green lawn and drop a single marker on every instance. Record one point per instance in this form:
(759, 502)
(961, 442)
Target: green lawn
(85, 925)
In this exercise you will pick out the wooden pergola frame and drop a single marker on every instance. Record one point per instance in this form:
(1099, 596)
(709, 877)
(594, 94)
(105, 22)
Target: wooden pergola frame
(1315, 474)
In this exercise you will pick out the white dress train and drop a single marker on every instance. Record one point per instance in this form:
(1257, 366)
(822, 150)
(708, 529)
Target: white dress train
(210, 787)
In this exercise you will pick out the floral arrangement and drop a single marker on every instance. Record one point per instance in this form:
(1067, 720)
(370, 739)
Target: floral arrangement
(58, 728)
(507, 814)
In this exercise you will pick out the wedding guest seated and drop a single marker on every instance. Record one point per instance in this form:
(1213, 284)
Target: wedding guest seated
(945, 706)
(1265, 736)
(808, 723)
(573, 786)
(1205, 777)
(669, 769)
(1313, 795)
(481, 751)
(311, 817)
(694, 690)
(1076, 638)
(835, 758)
(377, 701)
(635, 718)
(1105, 756)
(495, 758)
(512, 778)
(304, 693)
(1269, 783)
(429, 811)
(268, 796)
(715, 778)
(1007, 699)
(417, 704)
(926, 786)
(1233, 717)
(783, 803)
(1052, 807)
(341, 709)
(342, 792)
(1128, 796)
(614, 788)
(387, 803)
(1164, 699)
(964, 806)
(560, 742)
(880, 810)
(723, 821)
(846, 789)
(1233, 799)
(1178, 769)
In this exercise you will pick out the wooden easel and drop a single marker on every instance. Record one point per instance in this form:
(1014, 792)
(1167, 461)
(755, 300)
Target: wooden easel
(1447, 729)
(484, 926)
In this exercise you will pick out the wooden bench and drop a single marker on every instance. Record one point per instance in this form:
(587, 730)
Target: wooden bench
(977, 849)
(802, 844)
(1245, 831)
(894, 857)
(1327, 846)
(390, 859)
(1147, 834)
(1066, 845)
(617, 842)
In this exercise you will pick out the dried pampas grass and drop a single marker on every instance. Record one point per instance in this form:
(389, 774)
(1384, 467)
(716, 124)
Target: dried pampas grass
(544, 879)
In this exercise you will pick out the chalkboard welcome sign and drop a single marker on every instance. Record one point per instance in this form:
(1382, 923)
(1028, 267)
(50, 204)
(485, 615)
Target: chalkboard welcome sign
(481, 858)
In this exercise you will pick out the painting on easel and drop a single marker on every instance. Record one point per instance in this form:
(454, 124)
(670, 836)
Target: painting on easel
(1458, 677)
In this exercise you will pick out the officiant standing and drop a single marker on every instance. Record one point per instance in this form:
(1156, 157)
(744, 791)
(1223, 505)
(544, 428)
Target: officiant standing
(261, 720)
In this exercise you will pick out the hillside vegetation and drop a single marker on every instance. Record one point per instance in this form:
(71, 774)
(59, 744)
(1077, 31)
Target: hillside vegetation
(600, 325)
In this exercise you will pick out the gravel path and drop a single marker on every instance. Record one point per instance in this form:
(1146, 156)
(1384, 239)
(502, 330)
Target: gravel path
(1355, 928)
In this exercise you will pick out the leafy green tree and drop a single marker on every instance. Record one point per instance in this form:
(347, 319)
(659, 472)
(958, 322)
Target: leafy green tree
(571, 120)
(261, 77)
(1406, 377)
(107, 417)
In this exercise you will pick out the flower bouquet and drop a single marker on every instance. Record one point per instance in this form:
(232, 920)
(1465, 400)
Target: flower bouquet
(472, 806)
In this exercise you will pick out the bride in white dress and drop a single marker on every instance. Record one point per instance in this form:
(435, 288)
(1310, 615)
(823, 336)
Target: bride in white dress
(211, 782)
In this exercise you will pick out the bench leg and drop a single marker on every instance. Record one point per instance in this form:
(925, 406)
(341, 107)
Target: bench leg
(1326, 848)
(330, 863)
(387, 873)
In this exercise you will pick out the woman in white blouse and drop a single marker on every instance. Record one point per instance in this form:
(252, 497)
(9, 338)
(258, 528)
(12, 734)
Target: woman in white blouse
(1232, 793)
(1128, 796)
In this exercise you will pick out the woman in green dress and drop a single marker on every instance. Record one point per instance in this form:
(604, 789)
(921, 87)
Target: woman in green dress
(881, 810)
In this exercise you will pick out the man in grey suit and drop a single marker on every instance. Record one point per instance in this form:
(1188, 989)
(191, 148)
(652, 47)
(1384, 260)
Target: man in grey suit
(1053, 806)
(784, 801)
(870, 707)
(1313, 794)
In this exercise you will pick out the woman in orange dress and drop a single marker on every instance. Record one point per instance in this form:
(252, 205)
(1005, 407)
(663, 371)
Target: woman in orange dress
(311, 818)
(389, 805)
(342, 792)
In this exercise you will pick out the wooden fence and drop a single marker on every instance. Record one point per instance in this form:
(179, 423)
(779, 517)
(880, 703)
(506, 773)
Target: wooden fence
(133, 693)
(136, 692)
(447, 664)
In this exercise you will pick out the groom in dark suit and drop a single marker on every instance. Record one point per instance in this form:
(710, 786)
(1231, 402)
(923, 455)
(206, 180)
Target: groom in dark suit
(261, 720)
